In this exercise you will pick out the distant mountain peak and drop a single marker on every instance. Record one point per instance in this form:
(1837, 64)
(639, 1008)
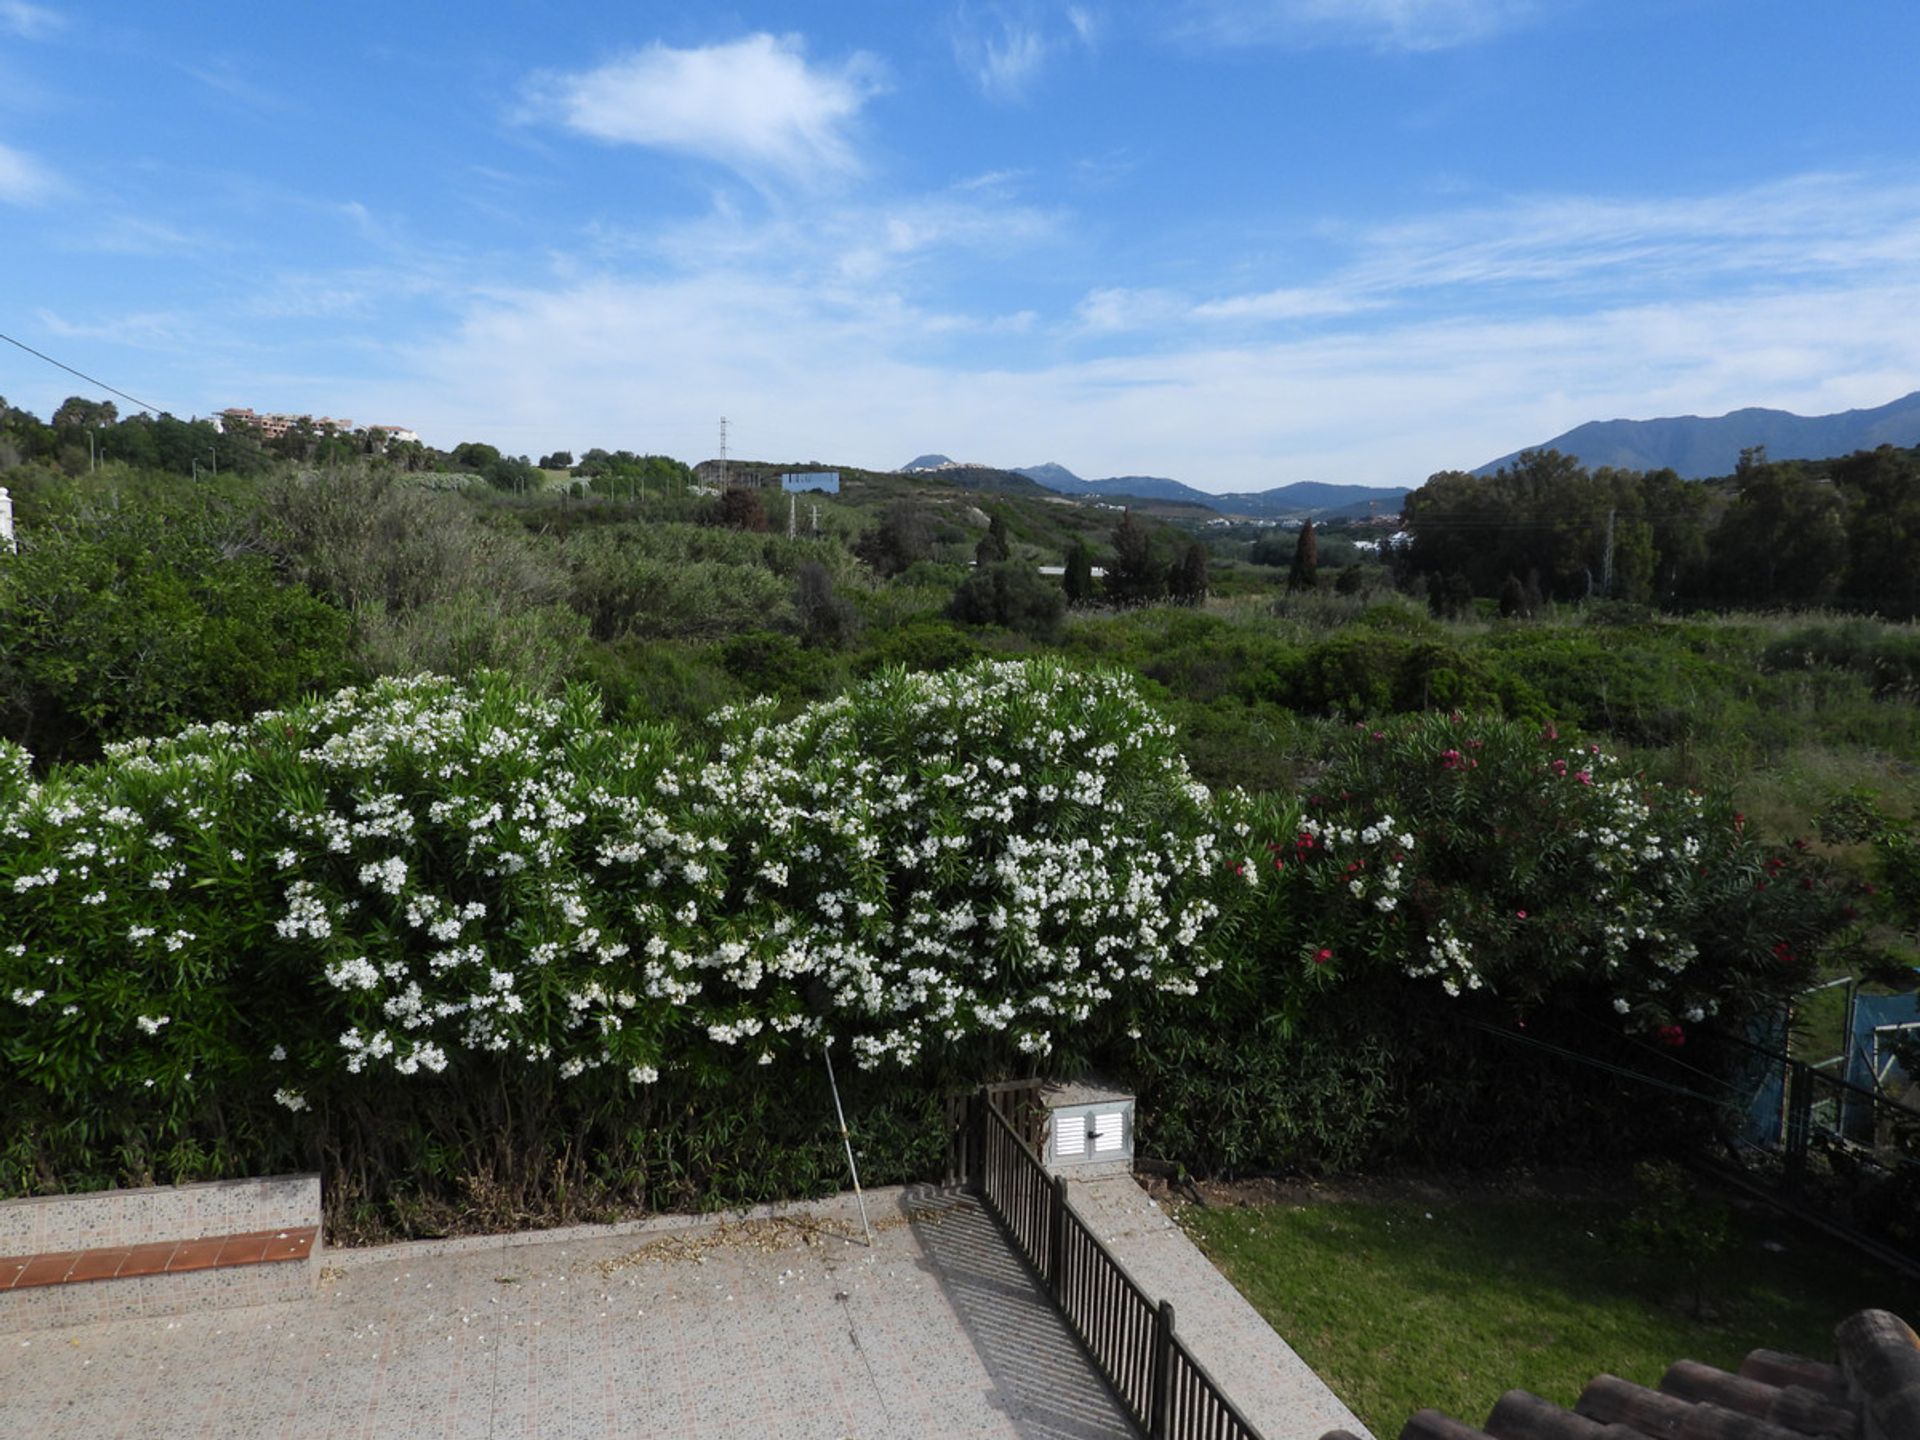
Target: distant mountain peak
(1698, 447)
(1053, 476)
(927, 462)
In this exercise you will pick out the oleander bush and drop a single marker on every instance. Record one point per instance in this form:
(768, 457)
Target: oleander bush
(1452, 946)
(476, 951)
(399, 913)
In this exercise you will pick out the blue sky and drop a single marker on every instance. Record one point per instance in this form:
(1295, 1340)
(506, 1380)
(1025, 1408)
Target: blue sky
(1238, 242)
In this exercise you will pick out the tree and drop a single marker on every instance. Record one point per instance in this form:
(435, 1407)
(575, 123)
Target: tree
(1134, 577)
(1077, 583)
(1306, 562)
(1513, 599)
(825, 618)
(992, 548)
(1187, 577)
(1448, 596)
(1783, 541)
(1010, 594)
(904, 537)
(741, 510)
(1272, 549)
(151, 614)
(1352, 580)
(1883, 539)
(78, 413)
(558, 460)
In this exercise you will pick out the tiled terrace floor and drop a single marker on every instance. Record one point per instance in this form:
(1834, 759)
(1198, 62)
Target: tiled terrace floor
(934, 1332)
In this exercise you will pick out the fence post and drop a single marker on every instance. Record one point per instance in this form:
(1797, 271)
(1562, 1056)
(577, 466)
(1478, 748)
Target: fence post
(1799, 1119)
(1057, 1240)
(977, 1138)
(1160, 1409)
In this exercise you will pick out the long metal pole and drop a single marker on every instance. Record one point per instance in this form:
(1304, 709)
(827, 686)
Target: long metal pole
(826, 1053)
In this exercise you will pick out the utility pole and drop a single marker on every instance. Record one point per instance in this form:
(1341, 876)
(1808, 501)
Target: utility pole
(1606, 565)
(793, 504)
(90, 452)
(816, 518)
(723, 452)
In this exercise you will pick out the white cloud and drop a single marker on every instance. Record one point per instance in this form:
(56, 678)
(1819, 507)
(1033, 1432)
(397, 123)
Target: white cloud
(755, 104)
(1114, 309)
(852, 375)
(24, 180)
(1806, 225)
(866, 333)
(144, 329)
(30, 22)
(1547, 252)
(1441, 341)
(864, 243)
(1004, 47)
(131, 235)
(1387, 24)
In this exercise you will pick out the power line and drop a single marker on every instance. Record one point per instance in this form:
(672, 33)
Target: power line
(84, 376)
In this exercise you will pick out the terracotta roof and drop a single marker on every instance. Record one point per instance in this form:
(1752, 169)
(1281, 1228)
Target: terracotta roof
(1873, 1393)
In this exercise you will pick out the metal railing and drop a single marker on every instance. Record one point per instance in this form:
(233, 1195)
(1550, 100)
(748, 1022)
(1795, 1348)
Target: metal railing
(1131, 1339)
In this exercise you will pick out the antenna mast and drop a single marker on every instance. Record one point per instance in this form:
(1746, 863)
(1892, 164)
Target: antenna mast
(723, 452)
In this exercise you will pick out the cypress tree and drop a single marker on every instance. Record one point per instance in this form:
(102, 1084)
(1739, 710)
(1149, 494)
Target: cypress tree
(1306, 561)
(1188, 578)
(1078, 581)
(993, 548)
(1133, 576)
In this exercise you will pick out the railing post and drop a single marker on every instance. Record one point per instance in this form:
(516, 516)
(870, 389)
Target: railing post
(1799, 1119)
(1057, 1240)
(977, 1138)
(1162, 1405)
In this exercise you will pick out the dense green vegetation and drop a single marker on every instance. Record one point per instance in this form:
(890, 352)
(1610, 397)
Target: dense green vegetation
(146, 596)
(1842, 532)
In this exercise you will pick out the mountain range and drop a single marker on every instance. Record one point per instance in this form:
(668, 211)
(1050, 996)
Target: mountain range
(1697, 446)
(1304, 499)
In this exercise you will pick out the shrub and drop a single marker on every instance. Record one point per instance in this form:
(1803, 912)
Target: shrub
(1527, 871)
(142, 615)
(372, 918)
(923, 645)
(1013, 595)
(823, 616)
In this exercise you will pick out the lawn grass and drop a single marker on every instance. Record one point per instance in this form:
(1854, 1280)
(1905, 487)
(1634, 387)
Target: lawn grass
(1404, 1304)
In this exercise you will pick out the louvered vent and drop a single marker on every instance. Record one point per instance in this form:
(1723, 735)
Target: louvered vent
(1069, 1140)
(1088, 1124)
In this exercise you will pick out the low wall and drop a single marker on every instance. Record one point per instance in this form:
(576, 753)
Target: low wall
(106, 1219)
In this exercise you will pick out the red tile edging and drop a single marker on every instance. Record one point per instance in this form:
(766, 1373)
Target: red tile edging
(122, 1262)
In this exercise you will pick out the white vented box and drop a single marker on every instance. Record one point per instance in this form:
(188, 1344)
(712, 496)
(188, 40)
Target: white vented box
(1088, 1125)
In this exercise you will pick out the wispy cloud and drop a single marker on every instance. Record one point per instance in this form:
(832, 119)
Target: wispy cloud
(1386, 405)
(131, 235)
(1426, 345)
(144, 329)
(1810, 224)
(1004, 47)
(30, 22)
(1384, 24)
(23, 179)
(235, 79)
(1551, 252)
(756, 105)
